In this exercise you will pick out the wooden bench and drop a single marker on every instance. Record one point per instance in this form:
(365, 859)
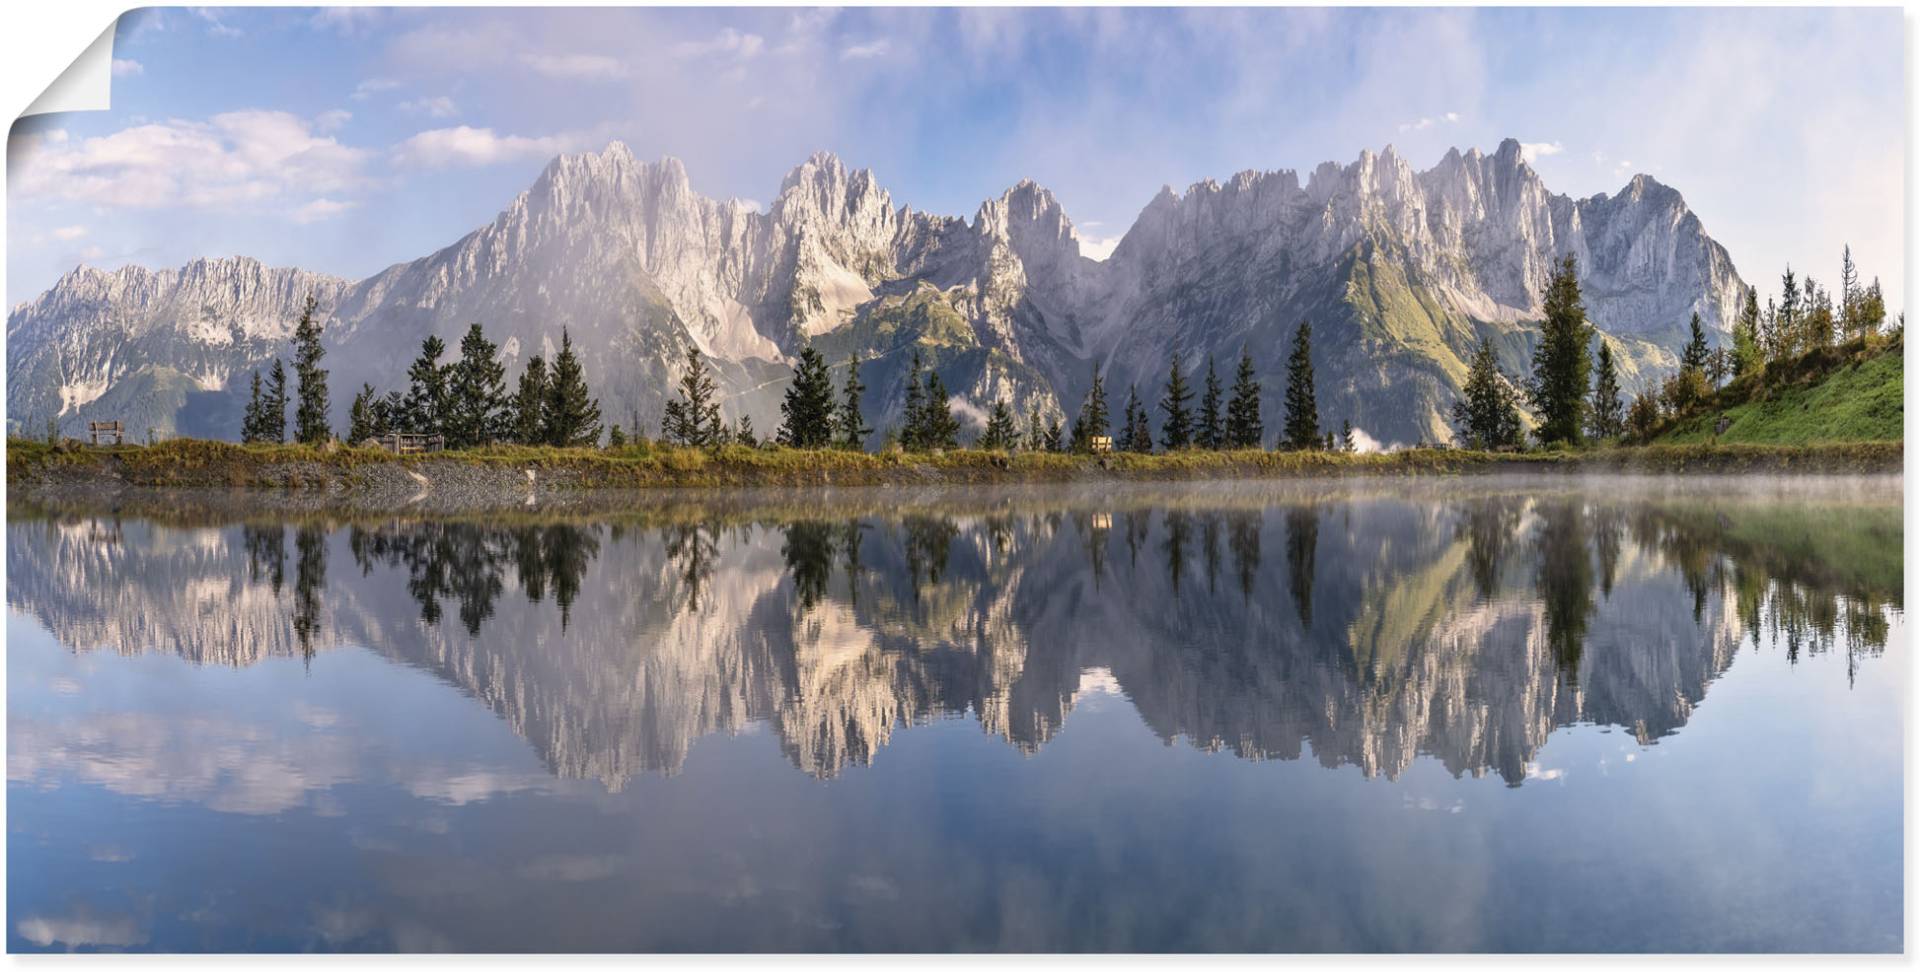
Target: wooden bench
(97, 431)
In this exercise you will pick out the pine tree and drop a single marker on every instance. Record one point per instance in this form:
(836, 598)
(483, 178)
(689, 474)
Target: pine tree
(253, 422)
(1747, 356)
(1000, 432)
(693, 419)
(1210, 433)
(1605, 415)
(273, 417)
(942, 430)
(427, 389)
(361, 417)
(1850, 294)
(1486, 414)
(1093, 418)
(1053, 441)
(1561, 361)
(572, 414)
(913, 419)
(1787, 324)
(387, 413)
(744, 434)
(1176, 432)
(1243, 409)
(616, 437)
(852, 427)
(1719, 367)
(1303, 413)
(1036, 432)
(1346, 437)
(477, 412)
(808, 408)
(530, 404)
(1694, 356)
(310, 416)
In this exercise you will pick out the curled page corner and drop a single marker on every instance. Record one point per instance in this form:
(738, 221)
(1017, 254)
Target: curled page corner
(86, 84)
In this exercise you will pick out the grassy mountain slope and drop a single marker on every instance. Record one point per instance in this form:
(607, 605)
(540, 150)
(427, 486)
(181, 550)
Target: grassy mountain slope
(1858, 400)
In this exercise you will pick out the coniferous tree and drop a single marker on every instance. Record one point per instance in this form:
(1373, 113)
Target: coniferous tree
(1346, 437)
(387, 413)
(1873, 309)
(1605, 417)
(942, 430)
(1561, 361)
(1850, 294)
(1643, 417)
(1747, 355)
(913, 418)
(1036, 432)
(616, 437)
(1487, 413)
(1054, 441)
(572, 414)
(1210, 433)
(1302, 430)
(1694, 355)
(1176, 431)
(362, 417)
(1243, 409)
(744, 434)
(693, 419)
(254, 421)
(1719, 367)
(1093, 418)
(273, 417)
(808, 408)
(427, 389)
(310, 416)
(530, 404)
(851, 426)
(1787, 324)
(1001, 432)
(1134, 434)
(477, 411)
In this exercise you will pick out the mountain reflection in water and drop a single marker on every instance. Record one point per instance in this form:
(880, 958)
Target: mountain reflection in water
(1367, 628)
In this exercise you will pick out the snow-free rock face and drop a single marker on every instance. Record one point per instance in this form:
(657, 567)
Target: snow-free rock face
(1401, 272)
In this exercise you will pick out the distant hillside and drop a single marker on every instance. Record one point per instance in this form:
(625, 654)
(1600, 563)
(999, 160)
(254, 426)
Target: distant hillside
(1855, 399)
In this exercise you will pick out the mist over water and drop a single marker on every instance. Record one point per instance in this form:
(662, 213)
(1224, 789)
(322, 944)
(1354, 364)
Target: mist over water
(1513, 714)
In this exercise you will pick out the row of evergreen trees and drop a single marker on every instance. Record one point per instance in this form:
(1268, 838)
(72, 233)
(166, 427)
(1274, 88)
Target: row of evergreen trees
(265, 418)
(466, 399)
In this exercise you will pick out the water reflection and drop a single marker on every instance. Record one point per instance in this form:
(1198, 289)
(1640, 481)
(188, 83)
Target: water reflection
(1464, 629)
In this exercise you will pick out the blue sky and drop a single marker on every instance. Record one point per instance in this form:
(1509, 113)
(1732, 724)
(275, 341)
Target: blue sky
(344, 140)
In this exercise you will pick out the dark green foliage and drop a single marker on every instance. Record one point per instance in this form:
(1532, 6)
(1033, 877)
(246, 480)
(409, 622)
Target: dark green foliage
(1747, 353)
(1053, 441)
(477, 411)
(851, 428)
(1346, 437)
(1302, 429)
(1487, 415)
(808, 408)
(427, 389)
(1000, 432)
(693, 419)
(253, 422)
(1211, 433)
(1093, 418)
(1244, 430)
(1606, 416)
(530, 404)
(1036, 432)
(744, 434)
(1694, 355)
(1176, 431)
(913, 420)
(572, 413)
(616, 437)
(310, 416)
(1135, 436)
(273, 414)
(940, 430)
(1561, 361)
(1643, 417)
(362, 417)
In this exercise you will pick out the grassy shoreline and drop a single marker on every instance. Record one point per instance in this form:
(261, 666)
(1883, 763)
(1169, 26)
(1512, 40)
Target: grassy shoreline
(189, 463)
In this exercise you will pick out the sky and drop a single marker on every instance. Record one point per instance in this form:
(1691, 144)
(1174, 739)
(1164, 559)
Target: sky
(345, 140)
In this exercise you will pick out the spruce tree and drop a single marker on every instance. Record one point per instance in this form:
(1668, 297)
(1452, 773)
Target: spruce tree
(530, 404)
(851, 427)
(273, 417)
(693, 419)
(1036, 432)
(1607, 414)
(744, 434)
(1694, 355)
(1787, 323)
(1211, 432)
(1346, 437)
(1244, 430)
(253, 422)
(361, 417)
(1176, 432)
(913, 420)
(427, 389)
(1093, 418)
(1486, 414)
(942, 430)
(310, 416)
(476, 411)
(572, 413)
(387, 413)
(1850, 294)
(1302, 430)
(1561, 361)
(1053, 441)
(1747, 356)
(808, 408)
(1000, 432)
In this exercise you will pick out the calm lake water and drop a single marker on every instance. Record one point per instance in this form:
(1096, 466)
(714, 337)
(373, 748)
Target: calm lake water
(1407, 716)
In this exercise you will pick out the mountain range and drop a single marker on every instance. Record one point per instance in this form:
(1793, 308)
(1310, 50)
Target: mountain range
(1401, 272)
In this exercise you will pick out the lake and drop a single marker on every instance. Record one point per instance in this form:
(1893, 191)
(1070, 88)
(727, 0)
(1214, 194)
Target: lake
(1527, 714)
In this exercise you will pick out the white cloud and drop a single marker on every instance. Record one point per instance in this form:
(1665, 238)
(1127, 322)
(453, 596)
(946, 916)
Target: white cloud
(127, 67)
(728, 42)
(1531, 151)
(372, 86)
(860, 52)
(349, 21)
(232, 159)
(576, 67)
(1098, 247)
(444, 148)
(69, 232)
(320, 209)
(440, 107)
(214, 25)
(1452, 117)
(331, 121)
